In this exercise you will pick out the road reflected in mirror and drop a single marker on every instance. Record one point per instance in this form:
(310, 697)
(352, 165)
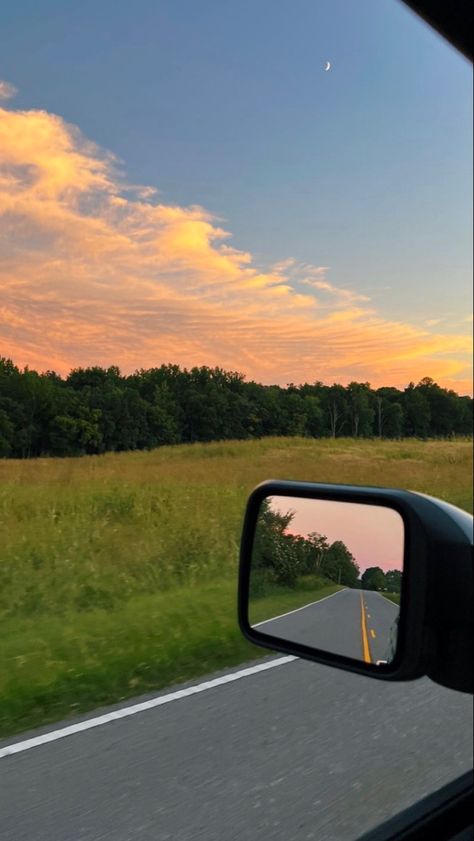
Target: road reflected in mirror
(328, 574)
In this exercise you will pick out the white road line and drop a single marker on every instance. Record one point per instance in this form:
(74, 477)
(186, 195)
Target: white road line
(310, 604)
(125, 712)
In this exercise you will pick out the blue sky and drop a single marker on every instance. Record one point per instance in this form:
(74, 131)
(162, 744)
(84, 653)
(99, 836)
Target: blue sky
(365, 169)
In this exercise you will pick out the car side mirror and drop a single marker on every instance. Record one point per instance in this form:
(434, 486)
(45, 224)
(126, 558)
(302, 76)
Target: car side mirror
(375, 581)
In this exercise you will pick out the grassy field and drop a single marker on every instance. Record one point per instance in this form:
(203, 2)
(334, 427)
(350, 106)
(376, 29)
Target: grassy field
(392, 597)
(118, 572)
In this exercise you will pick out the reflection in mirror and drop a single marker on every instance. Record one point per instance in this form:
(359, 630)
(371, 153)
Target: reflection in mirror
(328, 574)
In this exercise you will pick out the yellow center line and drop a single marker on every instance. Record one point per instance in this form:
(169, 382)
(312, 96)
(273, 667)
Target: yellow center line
(365, 639)
(372, 633)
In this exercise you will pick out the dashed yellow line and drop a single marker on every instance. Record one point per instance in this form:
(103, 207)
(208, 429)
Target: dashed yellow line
(372, 633)
(365, 639)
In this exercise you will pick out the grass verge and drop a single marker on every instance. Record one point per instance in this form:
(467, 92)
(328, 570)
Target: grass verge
(76, 662)
(57, 666)
(392, 597)
(283, 600)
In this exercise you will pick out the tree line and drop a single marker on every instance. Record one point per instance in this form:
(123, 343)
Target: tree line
(97, 410)
(281, 557)
(374, 578)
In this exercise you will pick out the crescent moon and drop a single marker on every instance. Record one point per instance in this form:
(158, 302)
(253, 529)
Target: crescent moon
(328, 66)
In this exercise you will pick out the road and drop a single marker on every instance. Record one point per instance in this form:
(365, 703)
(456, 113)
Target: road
(356, 623)
(299, 751)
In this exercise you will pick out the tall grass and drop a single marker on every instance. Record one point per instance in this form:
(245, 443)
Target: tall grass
(92, 548)
(81, 545)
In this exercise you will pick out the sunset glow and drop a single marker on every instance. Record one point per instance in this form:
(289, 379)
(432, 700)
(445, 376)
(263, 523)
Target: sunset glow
(374, 534)
(97, 272)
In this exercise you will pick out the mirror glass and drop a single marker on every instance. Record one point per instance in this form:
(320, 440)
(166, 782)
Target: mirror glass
(328, 574)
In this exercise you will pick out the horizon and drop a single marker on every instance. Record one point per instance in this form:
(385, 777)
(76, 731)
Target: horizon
(241, 374)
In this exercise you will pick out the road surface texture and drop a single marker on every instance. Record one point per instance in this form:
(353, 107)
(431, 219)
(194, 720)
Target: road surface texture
(356, 623)
(299, 751)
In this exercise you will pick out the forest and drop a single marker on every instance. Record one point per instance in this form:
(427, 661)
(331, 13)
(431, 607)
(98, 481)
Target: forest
(97, 410)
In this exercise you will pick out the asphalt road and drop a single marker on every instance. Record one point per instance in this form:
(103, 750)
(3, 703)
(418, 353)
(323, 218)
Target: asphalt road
(356, 623)
(300, 751)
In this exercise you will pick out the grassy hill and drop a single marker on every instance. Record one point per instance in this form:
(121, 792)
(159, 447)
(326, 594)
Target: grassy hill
(118, 572)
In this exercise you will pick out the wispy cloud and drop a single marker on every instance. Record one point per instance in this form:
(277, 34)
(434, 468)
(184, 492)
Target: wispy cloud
(7, 91)
(94, 271)
(335, 294)
(284, 265)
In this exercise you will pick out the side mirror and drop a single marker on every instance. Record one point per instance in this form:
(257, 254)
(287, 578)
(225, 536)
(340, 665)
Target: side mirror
(375, 581)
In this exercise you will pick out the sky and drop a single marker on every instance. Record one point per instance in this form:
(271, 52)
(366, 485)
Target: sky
(184, 182)
(375, 535)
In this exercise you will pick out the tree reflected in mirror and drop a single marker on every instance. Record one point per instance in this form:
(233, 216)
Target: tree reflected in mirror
(328, 574)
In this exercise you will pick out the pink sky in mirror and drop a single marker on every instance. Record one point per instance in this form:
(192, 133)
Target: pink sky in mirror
(373, 533)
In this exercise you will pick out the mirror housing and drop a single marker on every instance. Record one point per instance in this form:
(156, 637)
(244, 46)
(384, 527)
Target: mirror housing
(435, 629)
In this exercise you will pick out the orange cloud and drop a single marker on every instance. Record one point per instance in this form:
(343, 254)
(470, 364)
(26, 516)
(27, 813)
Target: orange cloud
(97, 272)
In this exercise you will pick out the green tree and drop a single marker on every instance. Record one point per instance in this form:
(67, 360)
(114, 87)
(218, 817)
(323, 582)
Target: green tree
(272, 556)
(339, 565)
(393, 578)
(464, 418)
(7, 432)
(389, 417)
(317, 547)
(360, 409)
(76, 435)
(417, 412)
(295, 412)
(314, 416)
(373, 578)
(336, 408)
(443, 405)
